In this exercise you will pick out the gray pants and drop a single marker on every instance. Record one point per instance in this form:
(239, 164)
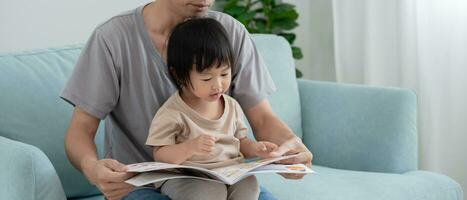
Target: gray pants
(196, 189)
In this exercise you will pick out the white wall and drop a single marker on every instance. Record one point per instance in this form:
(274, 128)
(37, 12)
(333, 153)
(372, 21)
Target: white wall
(315, 38)
(26, 24)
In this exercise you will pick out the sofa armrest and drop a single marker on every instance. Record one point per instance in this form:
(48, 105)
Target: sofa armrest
(27, 173)
(359, 127)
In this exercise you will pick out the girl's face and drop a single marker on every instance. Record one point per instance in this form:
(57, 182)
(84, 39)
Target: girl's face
(210, 84)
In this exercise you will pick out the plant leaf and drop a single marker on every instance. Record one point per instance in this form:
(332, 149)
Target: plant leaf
(284, 11)
(266, 2)
(298, 73)
(246, 17)
(229, 3)
(235, 10)
(290, 37)
(285, 24)
(297, 52)
(260, 25)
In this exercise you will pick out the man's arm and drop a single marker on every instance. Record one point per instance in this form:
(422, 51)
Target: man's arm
(79, 140)
(107, 174)
(268, 127)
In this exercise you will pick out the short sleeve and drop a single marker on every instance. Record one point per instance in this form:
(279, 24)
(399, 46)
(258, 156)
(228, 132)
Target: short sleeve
(94, 84)
(251, 82)
(164, 129)
(241, 129)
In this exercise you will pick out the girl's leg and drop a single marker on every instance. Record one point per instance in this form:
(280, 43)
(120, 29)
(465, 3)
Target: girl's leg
(193, 189)
(246, 189)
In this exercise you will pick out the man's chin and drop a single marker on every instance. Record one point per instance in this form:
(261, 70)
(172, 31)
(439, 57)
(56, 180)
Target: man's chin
(197, 11)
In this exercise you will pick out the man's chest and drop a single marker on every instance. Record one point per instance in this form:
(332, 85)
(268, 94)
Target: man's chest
(160, 42)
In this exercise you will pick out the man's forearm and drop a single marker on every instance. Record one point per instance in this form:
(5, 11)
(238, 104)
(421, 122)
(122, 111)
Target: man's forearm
(79, 140)
(80, 149)
(266, 125)
(272, 129)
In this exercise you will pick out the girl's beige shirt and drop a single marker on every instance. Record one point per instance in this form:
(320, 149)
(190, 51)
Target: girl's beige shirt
(176, 122)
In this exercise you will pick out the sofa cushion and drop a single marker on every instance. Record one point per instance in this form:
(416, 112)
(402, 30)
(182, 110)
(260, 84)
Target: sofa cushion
(32, 111)
(26, 168)
(359, 127)
(337, 184)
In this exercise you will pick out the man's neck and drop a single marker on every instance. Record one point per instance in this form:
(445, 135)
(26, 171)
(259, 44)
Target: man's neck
(159, 18)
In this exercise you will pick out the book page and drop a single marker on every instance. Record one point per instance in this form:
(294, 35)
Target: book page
(278, 168)
(157, 176)
(157, 166)
(152, 166)
(235, 172)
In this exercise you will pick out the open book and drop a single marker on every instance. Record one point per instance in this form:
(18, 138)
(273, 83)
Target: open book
(151, 172)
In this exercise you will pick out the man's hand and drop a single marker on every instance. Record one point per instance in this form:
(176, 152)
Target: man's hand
(267, 126)
(293, 146)
(264, 148)
(203, 144)
(108, 176)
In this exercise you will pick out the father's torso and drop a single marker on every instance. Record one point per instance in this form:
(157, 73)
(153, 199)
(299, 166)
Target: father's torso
(144, 84)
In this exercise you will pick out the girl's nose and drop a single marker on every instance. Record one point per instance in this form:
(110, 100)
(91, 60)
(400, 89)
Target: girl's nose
(217, 85)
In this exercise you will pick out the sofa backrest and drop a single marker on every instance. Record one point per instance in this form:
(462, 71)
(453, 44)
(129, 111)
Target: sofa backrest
(285, 101)
(32, 112)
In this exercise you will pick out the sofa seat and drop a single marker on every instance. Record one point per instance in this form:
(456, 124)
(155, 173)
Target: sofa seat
(337, 184)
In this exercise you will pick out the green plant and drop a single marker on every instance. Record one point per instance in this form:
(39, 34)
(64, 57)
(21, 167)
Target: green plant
(266, 16)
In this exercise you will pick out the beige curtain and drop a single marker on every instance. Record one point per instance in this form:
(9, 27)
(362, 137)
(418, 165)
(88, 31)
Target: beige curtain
(415, 44)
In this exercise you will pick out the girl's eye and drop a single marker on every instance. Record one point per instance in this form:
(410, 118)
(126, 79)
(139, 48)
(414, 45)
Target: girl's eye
(206, 79)
(224, 74)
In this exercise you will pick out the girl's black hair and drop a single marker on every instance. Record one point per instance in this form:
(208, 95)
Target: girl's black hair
(199, 41)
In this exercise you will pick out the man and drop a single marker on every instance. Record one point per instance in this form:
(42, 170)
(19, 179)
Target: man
(121, 76)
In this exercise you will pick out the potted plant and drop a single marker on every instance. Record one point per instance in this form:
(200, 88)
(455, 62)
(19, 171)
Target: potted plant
(265, 16)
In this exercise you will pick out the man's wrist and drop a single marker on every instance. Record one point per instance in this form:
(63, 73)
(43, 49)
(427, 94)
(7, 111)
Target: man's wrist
(87, 166)
(292, 137)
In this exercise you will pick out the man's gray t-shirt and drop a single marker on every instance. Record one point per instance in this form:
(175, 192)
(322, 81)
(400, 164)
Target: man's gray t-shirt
(120, 77)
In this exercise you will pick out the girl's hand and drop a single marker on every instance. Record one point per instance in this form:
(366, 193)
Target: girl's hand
(203, 144)
(264, 148)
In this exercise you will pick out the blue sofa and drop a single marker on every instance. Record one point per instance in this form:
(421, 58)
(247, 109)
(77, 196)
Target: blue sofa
(364, 139)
